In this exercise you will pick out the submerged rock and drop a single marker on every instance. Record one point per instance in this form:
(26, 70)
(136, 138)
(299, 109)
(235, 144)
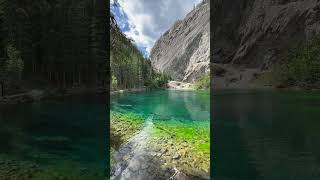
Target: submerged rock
(55, 140)
(13, 169)
(176, 156)
(180, 176)
(149, 154)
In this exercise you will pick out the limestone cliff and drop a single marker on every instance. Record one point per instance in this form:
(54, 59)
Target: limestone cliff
(183, 51)
(259, 32)
(251, 35)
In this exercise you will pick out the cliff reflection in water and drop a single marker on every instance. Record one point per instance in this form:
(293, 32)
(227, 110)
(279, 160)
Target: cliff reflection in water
(266, 135)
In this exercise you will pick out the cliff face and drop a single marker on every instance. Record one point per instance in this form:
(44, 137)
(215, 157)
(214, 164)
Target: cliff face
(248, 37)
(251, 35)
(183, 51)
(258, 33)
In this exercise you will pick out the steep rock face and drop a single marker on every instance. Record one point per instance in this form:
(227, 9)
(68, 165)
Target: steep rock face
(183, 51)
(258, 33)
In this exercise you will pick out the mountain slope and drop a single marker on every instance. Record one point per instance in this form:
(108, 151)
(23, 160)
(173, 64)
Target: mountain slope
(183, 51)
(259, 32)
(253, 35)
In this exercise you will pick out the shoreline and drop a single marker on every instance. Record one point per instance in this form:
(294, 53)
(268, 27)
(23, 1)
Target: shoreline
(127, 90)
(236, 77)
(261, 88)
(37, 95)
(178, 85)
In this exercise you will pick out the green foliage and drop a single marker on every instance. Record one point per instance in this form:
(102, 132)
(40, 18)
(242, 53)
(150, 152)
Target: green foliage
(127, 62)
(203, 82)
(11, 67)
(61, 42)
(157, 80)
(14, 64)
(301, 69)
(114, 82)
(128, 66)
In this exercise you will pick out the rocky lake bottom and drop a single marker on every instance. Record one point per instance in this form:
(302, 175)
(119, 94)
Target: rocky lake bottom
(157, 145)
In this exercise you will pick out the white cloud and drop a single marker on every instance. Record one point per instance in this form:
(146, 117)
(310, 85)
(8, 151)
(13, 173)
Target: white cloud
(151, 18)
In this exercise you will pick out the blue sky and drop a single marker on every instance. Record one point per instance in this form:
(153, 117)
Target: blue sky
(145, 20)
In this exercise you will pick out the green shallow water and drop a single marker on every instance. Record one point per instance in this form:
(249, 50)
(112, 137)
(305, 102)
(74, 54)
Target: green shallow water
(166, 104)
(266, 135)
(63, 137)
(181, 111)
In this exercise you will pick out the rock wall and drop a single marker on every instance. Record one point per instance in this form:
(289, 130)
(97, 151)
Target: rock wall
(183, 51)
(249, 36)
(258, 33)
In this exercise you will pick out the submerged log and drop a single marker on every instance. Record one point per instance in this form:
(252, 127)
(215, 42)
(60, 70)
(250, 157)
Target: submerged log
(172, 134)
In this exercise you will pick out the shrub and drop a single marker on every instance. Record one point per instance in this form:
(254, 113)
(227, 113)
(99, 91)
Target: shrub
(203, 82)
(301, 68)
(157, 80)
(114, 82)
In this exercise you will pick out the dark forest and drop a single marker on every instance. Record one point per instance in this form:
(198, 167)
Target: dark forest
(59, 43)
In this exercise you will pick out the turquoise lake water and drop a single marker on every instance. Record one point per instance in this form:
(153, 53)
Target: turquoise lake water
(168, 104)
(57, 133)
(266, 135)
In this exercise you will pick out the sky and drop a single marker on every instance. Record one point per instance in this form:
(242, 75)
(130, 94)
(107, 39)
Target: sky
(145, 21)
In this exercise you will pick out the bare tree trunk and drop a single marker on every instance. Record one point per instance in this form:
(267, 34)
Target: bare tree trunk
(2, 88)
(79, 76)
(33, 69)
(64, 79)
(56, 77)
(74, 75)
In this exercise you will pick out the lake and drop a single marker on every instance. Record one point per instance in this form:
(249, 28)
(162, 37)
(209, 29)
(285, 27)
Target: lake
(256, 135)
(62, 137)
(271, 135)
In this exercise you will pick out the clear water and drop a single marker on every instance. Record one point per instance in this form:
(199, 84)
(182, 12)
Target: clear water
(168, 104)
(266, 135)
(180, 108)
(57, 132)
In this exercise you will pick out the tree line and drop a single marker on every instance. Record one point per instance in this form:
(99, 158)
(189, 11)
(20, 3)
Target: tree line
(129, 69)
(57, 42)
